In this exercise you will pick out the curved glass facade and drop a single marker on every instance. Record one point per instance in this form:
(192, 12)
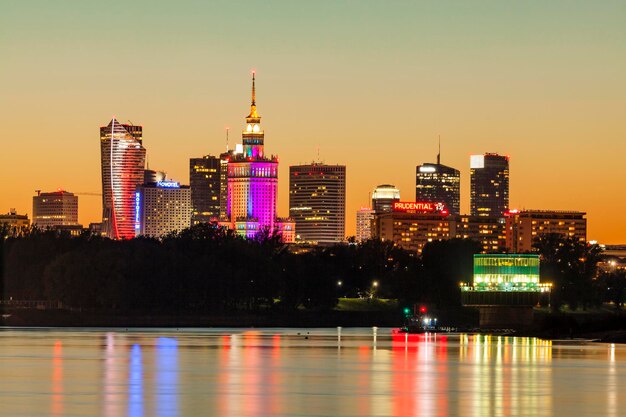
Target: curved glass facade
(123, 159)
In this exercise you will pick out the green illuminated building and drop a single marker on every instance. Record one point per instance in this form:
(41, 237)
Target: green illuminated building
(505, 287)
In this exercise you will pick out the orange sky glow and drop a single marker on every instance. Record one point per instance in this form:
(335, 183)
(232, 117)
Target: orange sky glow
(366, 84)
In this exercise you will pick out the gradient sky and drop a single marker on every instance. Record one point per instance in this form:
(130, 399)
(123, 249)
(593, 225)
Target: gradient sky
(369, 83)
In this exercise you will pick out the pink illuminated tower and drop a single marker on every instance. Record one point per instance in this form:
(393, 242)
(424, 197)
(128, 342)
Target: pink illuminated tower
(253, 183)
(123, 158)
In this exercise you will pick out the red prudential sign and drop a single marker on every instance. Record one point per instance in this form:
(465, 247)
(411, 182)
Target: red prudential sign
(420, 207)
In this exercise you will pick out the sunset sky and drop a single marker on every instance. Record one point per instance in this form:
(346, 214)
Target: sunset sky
(371, 84)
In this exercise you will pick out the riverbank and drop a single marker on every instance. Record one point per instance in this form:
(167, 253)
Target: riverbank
(601, 324)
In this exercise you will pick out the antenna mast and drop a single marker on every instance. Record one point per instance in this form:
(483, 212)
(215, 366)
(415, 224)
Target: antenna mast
(439, 153)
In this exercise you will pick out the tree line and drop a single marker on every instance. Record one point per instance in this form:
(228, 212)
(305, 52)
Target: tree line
(210, 269)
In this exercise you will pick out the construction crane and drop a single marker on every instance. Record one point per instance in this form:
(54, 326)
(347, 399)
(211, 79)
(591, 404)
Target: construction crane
(89, 194)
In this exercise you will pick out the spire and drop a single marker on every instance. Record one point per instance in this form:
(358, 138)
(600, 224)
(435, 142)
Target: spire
(253, 114)
(253, 89)
(439, 153)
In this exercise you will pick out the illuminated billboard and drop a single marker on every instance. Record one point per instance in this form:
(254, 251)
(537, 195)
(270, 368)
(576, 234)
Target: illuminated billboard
(420, 207)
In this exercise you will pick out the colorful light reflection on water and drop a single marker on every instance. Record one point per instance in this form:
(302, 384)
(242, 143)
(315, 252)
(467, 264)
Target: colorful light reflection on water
(286, 372)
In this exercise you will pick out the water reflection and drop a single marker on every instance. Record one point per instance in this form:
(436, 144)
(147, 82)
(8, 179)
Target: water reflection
(135, 383)
(289, 372)
(57, 379)
(167, 377)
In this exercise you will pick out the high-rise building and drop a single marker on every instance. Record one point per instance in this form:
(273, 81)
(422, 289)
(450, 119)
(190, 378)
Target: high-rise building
(364, 218)
(54, 209)
(224, 159)
(161, 208)
(204, 180)
(123, 159)
(253, 184)
(317, 202)
(383, 198)
(489, 185)
(438, 183)
(523, 227)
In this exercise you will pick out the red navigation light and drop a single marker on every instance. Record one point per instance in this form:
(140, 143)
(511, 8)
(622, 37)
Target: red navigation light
(422, 309)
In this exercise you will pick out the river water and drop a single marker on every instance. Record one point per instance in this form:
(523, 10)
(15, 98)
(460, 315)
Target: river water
(303, 372)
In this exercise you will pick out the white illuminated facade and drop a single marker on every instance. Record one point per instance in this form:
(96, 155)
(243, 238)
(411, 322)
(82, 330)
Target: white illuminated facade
(364, 218)
(161, 208)
(383, 198)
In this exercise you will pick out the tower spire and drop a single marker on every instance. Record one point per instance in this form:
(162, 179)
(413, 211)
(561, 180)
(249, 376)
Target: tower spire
(253, 89)
(253, 114)
(439, 153)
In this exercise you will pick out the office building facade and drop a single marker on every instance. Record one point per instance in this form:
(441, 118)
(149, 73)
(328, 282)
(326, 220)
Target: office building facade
(122, 161)
(489, 185)
(364, 219)
(490, 232)
(161, 208)
(205, 184)
(54, 209)
(412, 225)
(523, 227)
(439, 183)
(317, 202)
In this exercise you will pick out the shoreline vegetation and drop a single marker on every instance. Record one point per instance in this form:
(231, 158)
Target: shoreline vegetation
(207, 276)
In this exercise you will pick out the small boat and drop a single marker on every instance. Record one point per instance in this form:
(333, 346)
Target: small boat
(419, 321)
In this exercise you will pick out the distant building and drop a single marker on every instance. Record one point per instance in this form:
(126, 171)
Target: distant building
(522, 227)
(489, 185)
(490, 232)
(364, 219)
(383, 198)
(317, 202)
(439, 183)
(56, 208)
(204, 181)
(14, 220)
(412, 225)
(95, 228)
(224, 159)
(122, 161)
(161, 208)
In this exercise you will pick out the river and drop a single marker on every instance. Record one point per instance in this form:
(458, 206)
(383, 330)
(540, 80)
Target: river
(303, 372)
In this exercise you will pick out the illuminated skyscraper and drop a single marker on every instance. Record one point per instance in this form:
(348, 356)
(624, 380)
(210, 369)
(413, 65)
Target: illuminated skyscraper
(317, 202)
(489, 185)
(204, 180)
(252, 180)
(123, 158)
(383, 198)
(436, 183)
(57, 208)
(364, 218)
(162, 207)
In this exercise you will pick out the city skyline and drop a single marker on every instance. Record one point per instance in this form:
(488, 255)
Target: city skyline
(544, 90)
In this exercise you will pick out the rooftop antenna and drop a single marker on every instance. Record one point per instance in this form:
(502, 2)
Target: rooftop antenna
(227, 129)
(147, 162)
(439, 153)
(318, 153)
